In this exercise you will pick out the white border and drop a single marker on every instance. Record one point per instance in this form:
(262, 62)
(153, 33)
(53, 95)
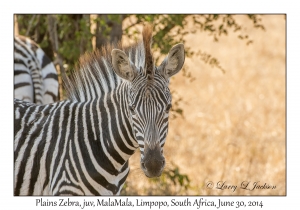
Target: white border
(153, 6)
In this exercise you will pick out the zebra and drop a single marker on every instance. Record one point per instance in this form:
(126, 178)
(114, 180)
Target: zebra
(118, 101)
(35, 77)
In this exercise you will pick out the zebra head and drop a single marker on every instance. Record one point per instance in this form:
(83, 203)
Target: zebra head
(149, 99)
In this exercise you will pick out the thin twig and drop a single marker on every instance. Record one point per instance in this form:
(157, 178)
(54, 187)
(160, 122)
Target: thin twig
(132, 24)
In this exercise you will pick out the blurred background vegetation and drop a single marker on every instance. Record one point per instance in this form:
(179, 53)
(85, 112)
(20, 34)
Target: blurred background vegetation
(65, 37)
(72, 35)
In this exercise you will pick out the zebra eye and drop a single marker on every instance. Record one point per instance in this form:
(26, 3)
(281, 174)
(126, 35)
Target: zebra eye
(131, 108)
(168, 108)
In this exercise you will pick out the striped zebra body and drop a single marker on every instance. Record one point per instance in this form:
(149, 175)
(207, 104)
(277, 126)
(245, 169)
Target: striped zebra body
(81, 146)
(35, 76)
(54, 161)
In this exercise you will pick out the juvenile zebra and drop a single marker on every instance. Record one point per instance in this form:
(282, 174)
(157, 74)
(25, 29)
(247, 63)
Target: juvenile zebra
(35, 77)
(118, 101)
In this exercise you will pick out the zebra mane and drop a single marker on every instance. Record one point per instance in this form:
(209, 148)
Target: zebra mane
(94, 76)
(147, 40)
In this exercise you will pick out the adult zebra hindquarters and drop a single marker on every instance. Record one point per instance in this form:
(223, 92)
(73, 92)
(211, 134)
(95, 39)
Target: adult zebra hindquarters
(35, 77)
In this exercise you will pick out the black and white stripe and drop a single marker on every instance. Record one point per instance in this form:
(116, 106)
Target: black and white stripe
(81, 146)
(35, 77)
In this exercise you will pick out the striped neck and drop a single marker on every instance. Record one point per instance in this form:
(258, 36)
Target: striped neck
(116, 138)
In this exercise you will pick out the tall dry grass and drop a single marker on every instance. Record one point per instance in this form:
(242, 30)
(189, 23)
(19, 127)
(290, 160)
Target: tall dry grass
(233, 128)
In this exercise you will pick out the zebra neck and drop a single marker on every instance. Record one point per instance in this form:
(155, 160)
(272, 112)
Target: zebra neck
(115, 136)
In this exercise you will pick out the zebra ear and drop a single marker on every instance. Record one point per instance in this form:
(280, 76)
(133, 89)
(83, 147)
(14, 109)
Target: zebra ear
(123, 67)
(173, 62)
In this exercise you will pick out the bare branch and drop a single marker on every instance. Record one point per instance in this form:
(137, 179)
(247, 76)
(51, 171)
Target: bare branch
(52, 29)
(30, 25)
(16, 25)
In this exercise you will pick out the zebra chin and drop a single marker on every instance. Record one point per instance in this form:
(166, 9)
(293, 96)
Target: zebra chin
(153, 162)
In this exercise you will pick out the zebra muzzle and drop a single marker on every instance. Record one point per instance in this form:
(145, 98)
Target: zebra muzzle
(153, 162)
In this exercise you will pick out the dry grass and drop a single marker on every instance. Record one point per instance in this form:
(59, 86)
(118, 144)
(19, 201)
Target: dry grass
(233, 128)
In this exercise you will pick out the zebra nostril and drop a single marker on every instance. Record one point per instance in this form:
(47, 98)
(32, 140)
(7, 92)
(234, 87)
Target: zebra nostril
(163, 163)
(143, 166)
